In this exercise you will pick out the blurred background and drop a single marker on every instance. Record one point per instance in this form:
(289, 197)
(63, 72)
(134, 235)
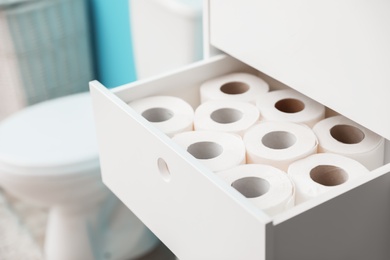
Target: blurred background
(53, 48)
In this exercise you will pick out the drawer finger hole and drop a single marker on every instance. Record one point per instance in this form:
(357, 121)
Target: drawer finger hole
(163, 169)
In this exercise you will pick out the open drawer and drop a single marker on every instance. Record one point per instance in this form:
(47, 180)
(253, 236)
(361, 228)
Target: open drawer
(197, 215)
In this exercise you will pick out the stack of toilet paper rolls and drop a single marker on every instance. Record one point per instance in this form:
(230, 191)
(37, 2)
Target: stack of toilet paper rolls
(276, 148)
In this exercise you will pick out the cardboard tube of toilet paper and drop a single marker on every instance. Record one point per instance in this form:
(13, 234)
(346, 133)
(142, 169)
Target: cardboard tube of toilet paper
(279, 143)
(341, 135)
(171, 115)
(290, 106)
(235, 86)
(319, 173)
(269, 188)
(218, 151)
(226, 116)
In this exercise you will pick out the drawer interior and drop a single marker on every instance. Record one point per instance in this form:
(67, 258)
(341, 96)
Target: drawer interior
(120, 133)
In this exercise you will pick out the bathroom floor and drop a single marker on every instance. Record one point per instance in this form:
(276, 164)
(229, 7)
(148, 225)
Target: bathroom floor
(160, 253)
(22, 229)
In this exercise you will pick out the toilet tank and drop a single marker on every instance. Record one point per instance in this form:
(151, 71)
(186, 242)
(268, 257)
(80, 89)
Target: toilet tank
(167, 34)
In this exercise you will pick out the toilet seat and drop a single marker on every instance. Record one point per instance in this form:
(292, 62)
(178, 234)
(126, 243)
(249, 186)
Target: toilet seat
(50, 174)
(47, 147)
(37, 150)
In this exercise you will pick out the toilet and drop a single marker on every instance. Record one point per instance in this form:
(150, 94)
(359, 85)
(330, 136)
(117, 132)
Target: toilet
(49, 157)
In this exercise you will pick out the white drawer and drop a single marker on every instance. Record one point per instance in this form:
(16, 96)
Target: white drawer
(198, 216)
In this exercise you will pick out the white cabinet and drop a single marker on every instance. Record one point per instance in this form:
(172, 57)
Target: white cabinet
(336, 52)
(195, 213)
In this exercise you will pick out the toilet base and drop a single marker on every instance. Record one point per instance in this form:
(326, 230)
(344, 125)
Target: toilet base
(106, 231)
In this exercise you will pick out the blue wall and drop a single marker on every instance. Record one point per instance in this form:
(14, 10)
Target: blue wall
(112, 42)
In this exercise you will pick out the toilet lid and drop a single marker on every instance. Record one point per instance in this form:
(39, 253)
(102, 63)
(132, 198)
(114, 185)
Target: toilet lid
(53, 135)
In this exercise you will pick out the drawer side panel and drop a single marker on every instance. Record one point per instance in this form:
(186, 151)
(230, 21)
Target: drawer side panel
(353, 225)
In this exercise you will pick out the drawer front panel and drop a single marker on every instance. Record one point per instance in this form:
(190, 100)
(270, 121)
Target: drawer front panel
(191, 212)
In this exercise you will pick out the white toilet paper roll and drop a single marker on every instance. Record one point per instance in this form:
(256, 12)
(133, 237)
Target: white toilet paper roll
(290, 106)
(171, 115)
(279, 143)
(235, 86)
(218, 151)
(341, 135)
(318, 173)
(226, 116)
(269, 188)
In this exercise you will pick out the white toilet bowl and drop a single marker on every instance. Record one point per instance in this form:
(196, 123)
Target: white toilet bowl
(49, 156)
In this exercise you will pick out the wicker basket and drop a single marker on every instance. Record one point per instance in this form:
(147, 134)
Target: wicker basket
(45, 52)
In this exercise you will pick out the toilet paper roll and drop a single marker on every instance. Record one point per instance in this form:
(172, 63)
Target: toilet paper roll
(269, 188)
(235, 86)
(226, 116)
(218, 151)
(290, 106)
(171, 115)
(319, 173)
(279, 143)
(341, 135)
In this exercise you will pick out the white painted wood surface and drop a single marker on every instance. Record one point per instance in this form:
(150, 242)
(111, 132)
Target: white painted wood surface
(336, 52)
